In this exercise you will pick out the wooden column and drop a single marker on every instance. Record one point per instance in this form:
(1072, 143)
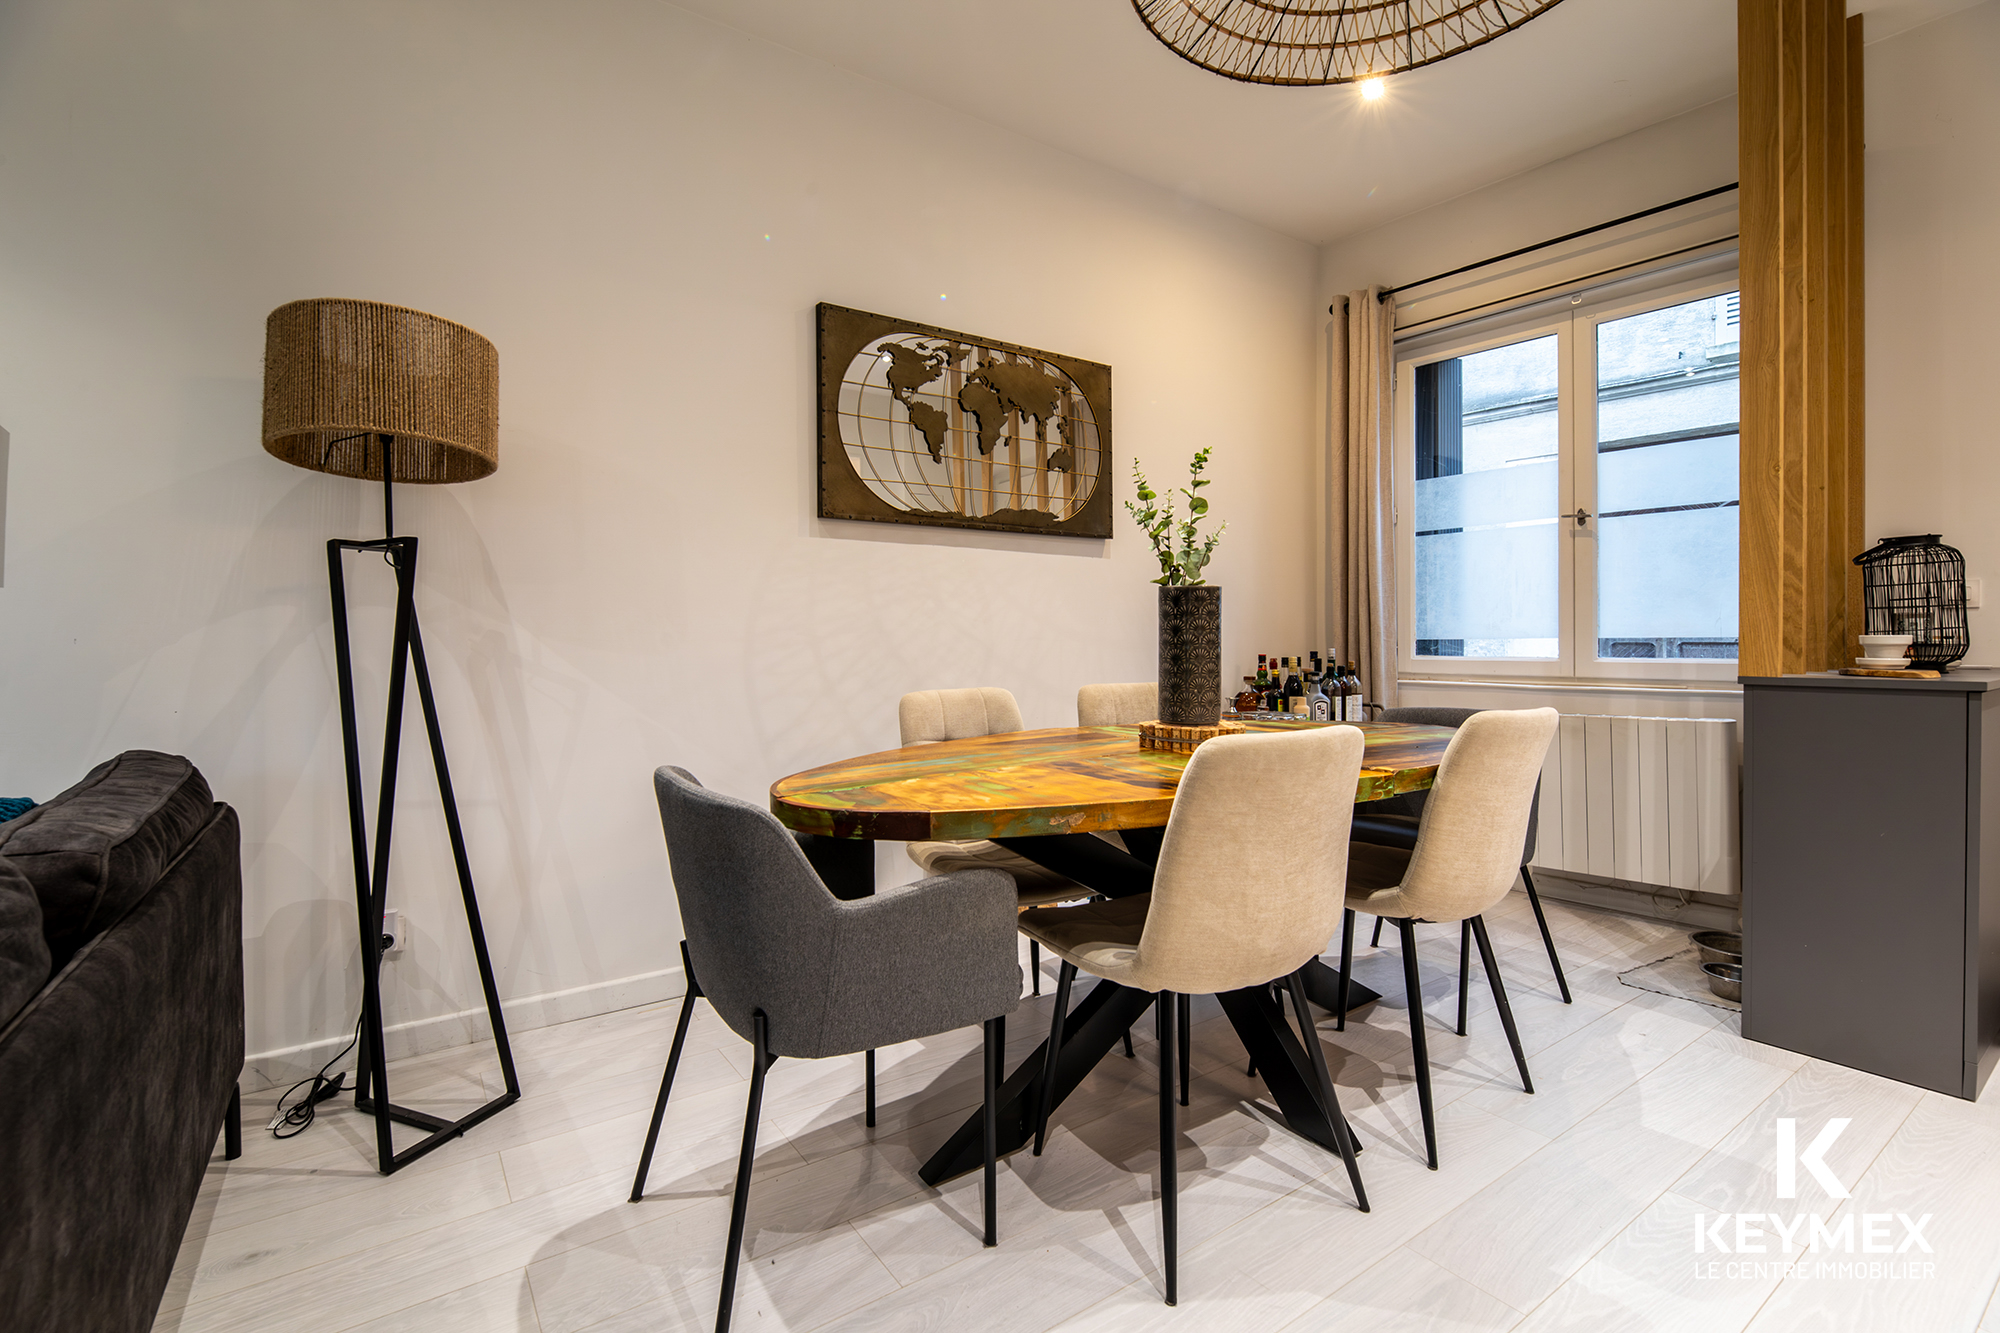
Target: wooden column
(1799, 160)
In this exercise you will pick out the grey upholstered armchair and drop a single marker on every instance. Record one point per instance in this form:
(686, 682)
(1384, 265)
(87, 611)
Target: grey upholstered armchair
(798, 972)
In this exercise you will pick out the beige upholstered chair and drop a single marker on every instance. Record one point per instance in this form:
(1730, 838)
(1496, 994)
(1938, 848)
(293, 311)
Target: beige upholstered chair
(1118, 705)
(1237, 901)
(956, 715)
(929, 716)
(1467, 853)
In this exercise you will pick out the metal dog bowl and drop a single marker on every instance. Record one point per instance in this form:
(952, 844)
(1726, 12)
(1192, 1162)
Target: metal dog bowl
(1725, 979)
(1719, 946)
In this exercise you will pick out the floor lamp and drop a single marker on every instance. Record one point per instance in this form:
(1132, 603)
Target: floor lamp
(374, 391)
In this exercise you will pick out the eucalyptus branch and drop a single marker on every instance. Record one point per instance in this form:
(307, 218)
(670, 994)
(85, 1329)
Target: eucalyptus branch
(1180, 566)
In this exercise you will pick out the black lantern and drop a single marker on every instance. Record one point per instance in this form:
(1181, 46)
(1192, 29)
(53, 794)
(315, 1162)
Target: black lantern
(1916, 586)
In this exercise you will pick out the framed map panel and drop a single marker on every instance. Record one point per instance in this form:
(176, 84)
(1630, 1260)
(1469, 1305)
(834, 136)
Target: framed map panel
(924, 425)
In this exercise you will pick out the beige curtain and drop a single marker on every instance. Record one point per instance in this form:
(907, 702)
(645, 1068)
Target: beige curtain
(1361, 586)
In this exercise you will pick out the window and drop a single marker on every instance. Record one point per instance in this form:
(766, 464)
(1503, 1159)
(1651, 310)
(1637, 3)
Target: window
(1525, 552)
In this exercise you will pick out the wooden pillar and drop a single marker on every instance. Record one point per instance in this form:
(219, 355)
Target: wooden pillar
(1799, 160)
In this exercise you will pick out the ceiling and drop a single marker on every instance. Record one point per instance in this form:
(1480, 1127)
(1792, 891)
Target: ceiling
(1314, 163)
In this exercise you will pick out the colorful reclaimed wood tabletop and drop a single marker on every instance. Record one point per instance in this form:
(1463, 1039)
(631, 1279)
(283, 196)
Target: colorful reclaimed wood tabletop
(1056, 780)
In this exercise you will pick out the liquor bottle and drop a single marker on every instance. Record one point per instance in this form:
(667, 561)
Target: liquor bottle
(1355, 702)
(1273, 687)
(1263, 675)
(1336, 693)
(1322, 706)
(1293, 689)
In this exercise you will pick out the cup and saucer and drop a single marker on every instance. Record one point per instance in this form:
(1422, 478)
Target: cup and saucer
(1885, 652)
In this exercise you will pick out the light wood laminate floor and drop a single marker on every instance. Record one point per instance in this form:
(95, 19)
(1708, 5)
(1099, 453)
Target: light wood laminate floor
(1574, 1208)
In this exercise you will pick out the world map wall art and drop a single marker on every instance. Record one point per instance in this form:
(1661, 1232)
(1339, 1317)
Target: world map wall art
(919, 424)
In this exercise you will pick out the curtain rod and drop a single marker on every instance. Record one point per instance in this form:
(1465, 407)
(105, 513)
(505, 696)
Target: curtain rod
(1584, 283)
(1388, 292)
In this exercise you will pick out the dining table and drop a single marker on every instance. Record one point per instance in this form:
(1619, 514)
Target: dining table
(1059, 780)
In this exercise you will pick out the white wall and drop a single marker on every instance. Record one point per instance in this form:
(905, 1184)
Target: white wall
(640, 208)
(1671, 160)
(1933, 252)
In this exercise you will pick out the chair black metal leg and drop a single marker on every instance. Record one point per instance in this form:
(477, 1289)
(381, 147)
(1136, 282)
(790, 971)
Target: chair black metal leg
(1185, 1016)
(1346, 964)
(1464, 969)
(759, 1060)
(1413, 987)
(996, 1046)
(692, 994)
(1130, 1054)
(1035, 963)
(232, 1126)
(1342, 1133)
(1548, 940)
(1375, 940)
(1169, 1142)
(868, 1084)
(1064, 976)
(1500, 998)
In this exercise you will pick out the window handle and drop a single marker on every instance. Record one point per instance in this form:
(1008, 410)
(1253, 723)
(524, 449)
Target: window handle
(1582, 516)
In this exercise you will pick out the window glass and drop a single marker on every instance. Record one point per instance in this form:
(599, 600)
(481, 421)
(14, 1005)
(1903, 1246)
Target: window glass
(1667, 410)
(1487, 560)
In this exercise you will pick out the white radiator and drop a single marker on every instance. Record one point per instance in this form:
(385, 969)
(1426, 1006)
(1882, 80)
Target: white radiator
(1647, 800)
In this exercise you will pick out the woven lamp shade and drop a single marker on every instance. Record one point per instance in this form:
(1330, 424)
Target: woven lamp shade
(335, 369)
(1312, 43)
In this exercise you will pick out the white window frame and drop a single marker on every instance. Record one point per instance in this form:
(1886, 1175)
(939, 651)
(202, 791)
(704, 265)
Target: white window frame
(1574, 319)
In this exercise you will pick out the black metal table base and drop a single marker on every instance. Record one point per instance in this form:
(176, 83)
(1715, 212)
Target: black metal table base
(371, 880)
(1323, 989)
(1099, 1023)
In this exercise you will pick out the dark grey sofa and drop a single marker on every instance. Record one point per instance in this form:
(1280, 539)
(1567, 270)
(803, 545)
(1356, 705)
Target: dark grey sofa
(118, 1070)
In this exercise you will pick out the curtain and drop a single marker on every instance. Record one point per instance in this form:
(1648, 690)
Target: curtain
(1361, 587)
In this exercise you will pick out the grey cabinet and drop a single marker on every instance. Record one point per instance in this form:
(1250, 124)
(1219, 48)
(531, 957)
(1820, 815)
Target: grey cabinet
(1871, 873)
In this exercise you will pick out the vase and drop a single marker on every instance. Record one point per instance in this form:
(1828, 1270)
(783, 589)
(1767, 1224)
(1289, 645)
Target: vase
(1191, 655)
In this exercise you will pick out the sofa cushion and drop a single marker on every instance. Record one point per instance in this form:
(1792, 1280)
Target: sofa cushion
(24, 953)
(96, 849)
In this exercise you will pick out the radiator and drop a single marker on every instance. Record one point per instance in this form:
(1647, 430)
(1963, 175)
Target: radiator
(1646, 800)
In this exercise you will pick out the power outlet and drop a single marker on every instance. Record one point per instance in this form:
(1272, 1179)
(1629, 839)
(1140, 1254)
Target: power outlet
(1974, 590)
(392, 931)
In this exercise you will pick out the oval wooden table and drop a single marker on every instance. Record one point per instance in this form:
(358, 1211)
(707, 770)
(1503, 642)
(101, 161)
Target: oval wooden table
(1073, 780)
(1057, 780)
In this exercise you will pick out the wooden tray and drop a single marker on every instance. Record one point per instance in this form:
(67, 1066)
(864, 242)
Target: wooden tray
(1182, 740)
(1889, 671)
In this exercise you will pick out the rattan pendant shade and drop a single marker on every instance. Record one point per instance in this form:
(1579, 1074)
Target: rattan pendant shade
(338, 375)
(1305, 43)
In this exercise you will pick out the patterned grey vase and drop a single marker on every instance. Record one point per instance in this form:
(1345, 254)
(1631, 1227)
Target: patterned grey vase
(1191, 655)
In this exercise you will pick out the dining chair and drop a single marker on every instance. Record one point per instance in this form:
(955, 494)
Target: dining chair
(1393, 822)
(1118, 705)
(1238, 902)
(929, 716)
(1463, 861)
(797, 972)
(1127, 705)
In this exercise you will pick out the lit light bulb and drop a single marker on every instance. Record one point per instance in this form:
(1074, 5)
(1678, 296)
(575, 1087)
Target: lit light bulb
(1372, 89)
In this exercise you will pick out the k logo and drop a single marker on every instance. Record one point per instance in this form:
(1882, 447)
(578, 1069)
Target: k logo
(1813, 1159)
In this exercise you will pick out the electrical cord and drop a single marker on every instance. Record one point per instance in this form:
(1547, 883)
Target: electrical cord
(293, 1120)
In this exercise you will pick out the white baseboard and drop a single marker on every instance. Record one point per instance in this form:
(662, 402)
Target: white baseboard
(1697, 911)
(289, 1064)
